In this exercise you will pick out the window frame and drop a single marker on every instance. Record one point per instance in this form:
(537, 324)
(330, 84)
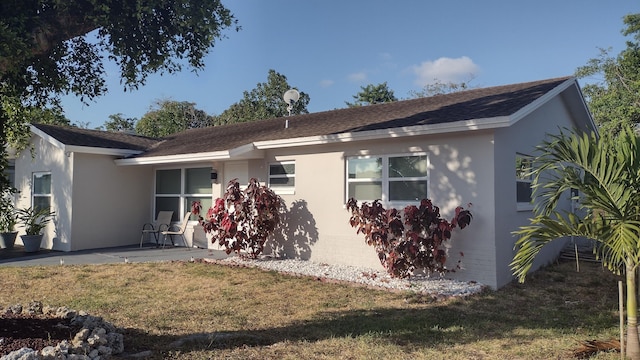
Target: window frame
(39, 174)
(523, 205)
(280, 189)
(182, 195)
(385, 179)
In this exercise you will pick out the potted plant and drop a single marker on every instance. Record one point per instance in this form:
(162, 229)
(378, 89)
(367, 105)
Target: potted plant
(34, 220)
(8, 218)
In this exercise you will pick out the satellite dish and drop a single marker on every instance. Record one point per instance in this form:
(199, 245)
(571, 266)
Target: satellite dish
(291, 96)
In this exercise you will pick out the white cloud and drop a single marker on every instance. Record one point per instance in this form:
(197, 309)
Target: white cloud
(326, 83)
(357, 77)
(445, 70)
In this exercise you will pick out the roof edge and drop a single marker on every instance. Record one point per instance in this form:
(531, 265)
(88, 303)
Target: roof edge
(46, 137)
(82, 149)
(466, 125)
(171, 159)
(529, 108)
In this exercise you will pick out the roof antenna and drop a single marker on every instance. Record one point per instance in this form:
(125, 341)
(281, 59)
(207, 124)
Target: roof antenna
(290, 97)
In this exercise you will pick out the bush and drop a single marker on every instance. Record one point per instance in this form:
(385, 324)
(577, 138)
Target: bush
(243, 219)
(418, 242)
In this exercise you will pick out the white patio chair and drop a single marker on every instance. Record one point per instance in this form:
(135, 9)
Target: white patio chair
(163, 222)
(177, 230)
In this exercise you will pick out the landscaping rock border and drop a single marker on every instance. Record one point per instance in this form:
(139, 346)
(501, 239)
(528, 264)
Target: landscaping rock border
(96, 340)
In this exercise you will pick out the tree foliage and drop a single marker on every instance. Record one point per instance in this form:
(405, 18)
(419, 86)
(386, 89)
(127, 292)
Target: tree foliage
(264, 102)
(168, 117)
(614, 96)
(117, 122)
(606, 171)
(45, 50)
(438, 88)
(51, 116)
(404, 242)
(373, 94)
(243, 219)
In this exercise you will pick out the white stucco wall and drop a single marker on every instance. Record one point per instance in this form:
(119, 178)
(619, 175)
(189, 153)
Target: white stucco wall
(110, 203)
(460, 173)
(522, 138)
(47, 158)
(97, 203)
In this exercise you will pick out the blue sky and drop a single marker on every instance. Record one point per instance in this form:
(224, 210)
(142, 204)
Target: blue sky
(330, 48)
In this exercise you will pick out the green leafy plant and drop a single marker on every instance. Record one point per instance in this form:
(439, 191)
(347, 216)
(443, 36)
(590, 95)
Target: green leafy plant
(243, 219)
(35, 219)
(405, 242)
(8, 215)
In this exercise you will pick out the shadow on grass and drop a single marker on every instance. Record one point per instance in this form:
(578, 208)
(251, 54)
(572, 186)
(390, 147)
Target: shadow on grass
(557, 300)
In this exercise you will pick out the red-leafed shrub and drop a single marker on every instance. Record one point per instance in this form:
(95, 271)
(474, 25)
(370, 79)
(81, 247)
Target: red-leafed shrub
(243, 219)
(405, 242)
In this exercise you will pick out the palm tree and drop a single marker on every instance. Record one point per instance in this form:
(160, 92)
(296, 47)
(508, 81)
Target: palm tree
(606, 171)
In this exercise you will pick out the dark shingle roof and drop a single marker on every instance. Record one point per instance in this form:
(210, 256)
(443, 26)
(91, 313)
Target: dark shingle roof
(466, 105)
(478, 103)
(99, 139)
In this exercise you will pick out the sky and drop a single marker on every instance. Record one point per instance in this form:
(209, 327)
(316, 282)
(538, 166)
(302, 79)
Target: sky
(329, 49)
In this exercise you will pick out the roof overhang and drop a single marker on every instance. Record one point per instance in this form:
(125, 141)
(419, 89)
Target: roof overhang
(568, 90)
(82, 149)
(467, 125)
(572, 95)
(247, 151)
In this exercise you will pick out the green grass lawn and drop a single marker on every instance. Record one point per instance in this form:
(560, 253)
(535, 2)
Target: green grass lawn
(248, 313)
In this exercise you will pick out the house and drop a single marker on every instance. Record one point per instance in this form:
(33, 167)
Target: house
(456, 149)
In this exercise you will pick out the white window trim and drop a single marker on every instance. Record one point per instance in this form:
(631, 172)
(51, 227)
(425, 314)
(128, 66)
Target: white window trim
(39, 174)
(385, 179)
(523, 206)
(279, 189)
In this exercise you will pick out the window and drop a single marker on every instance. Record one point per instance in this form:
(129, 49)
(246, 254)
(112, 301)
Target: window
(282, 177)
(41, 197)
(10, 171)
(523, 180)
(177, 189)
(393, 178)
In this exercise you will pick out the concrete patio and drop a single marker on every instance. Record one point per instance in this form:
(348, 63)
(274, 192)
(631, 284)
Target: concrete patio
(132, 254)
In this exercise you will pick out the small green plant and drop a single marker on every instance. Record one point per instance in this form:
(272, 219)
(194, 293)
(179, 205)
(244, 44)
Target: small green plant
(8, 215)
(412, 240)
(35, 219)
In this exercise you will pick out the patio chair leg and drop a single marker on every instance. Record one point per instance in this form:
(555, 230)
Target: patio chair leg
(186, 244)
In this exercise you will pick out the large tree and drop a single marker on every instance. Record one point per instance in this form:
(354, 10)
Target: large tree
(373, 94)
(46, 49)
(606, 172)
(613, 88)
(117, 122)
(167, 117)
(264, 102)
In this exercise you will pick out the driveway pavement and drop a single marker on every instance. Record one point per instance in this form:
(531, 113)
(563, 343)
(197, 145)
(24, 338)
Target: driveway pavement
(132, 254)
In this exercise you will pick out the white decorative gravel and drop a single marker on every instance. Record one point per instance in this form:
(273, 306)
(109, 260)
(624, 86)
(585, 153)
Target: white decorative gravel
(435, 285)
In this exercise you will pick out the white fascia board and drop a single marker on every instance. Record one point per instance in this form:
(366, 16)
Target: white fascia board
(239, 152)
(468, 125)
(100, 151)
(528, 109)
(172, 159)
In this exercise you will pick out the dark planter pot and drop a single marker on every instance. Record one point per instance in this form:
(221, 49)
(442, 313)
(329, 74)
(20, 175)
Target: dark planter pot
(8, 239)
(31, 242)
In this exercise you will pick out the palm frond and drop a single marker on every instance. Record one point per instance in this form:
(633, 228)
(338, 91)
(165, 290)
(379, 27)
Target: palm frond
(605, 170)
